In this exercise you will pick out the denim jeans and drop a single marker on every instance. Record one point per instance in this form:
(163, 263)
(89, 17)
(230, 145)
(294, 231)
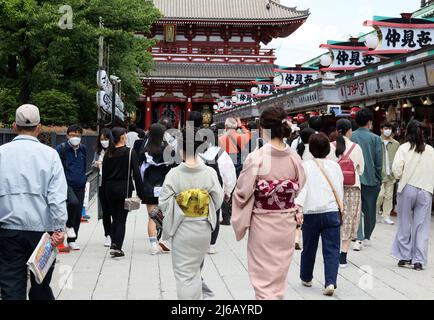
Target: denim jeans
(327, 225)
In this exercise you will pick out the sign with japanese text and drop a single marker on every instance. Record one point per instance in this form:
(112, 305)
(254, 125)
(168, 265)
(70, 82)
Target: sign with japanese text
(345, 59)
(294, 78)
(397, 81)
(401, 35)
(243, 98)
(405, 38)
(265, 89)
(354, 91)
(430, 73)
(306, 99)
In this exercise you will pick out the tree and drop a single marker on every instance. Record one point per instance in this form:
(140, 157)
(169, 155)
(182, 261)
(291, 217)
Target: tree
(56, 107)
(36, 54)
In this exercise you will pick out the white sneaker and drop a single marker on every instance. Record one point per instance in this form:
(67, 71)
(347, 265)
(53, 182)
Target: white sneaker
(366, 243)
(74, 246)
(307, 283)
(212, 249)
(329, 291)
(343, 265)
(388, 221)
(70, 233)
(108, 242)
(358, 245)
(155, 248)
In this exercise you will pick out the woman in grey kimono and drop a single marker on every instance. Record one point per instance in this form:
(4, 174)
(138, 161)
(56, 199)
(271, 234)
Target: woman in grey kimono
(189, 199)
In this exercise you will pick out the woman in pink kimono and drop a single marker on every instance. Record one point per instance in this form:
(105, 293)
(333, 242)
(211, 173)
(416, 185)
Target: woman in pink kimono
(263, 204)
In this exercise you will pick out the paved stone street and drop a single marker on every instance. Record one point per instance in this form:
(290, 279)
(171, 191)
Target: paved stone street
(92, 274)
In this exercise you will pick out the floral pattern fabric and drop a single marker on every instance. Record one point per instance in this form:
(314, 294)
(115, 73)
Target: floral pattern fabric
(194, 203)
(275, 195)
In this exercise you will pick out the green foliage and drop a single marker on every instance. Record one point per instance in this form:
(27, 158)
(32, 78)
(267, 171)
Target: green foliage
(8, 105)
(36, 55)
(56, 107)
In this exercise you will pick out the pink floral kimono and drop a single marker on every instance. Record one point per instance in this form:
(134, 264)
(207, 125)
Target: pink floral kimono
(263, 203)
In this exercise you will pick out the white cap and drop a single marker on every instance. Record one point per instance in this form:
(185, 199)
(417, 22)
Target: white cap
(27, 116)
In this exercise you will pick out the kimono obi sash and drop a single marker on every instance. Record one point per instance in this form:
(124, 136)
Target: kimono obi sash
(275, 195)
(194, 203)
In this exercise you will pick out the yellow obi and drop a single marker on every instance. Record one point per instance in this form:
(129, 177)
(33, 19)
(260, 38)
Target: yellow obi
(194, 203)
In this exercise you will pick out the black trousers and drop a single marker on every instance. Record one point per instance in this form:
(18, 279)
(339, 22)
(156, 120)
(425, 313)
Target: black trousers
(227, 210)
(215, 233)
(114, 198)
(16, 247)
(74, 213)
(106, 218)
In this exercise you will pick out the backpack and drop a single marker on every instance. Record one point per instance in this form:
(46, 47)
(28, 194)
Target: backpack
(348, 167)
(213, 164)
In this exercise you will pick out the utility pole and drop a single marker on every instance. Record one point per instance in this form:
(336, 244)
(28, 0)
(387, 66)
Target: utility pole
(101, 67)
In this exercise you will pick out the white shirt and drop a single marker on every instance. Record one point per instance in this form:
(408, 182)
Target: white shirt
(131, 138)
(226, 168)
(317, 195)
(413, 168)
(386, 142)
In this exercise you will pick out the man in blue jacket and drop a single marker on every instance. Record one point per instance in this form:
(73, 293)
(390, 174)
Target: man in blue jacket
(371, 179)
(73, 156)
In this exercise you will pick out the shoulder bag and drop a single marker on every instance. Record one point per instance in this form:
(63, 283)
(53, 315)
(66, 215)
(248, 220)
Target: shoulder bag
(132, 203)
(335, 193)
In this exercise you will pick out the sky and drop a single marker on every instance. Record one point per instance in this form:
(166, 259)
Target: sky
(332, 20)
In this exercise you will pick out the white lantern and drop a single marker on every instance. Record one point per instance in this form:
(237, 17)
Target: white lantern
(372, 41)
(326, 60)
(221, 104)
(216, 107)
(234, 99)
(254, 91)
(278, 81)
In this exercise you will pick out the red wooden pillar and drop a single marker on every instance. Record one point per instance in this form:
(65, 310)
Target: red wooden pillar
(148, 113)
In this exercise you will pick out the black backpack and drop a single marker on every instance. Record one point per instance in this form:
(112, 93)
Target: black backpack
(213, 164)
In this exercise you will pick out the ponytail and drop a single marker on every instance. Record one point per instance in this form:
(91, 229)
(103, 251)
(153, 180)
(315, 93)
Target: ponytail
(342, 127)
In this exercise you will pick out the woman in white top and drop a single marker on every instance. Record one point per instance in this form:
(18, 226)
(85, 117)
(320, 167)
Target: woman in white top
(413, 167)
(352, 193)
(321, 213)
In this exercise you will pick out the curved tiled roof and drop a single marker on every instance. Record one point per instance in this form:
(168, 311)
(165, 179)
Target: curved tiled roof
(228, 10)
(197, 71)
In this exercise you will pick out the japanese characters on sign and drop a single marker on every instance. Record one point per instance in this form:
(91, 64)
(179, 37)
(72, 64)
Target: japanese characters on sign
(243, 98)
(407, 39)
(351, 59)
(293, 78)
(354, 90)
(397, 81)
(265, 89)
(305, 99)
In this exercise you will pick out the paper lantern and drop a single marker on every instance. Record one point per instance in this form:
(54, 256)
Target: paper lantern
(353, 112)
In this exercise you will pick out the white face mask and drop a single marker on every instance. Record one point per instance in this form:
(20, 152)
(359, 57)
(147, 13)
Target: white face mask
(105, 144)
(75, 141)
(387, 133)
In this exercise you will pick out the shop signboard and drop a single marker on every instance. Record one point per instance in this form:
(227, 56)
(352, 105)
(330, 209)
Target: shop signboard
(354, 90)
(305, 99)
(397, 81)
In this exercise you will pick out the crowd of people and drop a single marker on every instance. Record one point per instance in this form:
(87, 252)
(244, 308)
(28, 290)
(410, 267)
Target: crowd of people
(285, 186)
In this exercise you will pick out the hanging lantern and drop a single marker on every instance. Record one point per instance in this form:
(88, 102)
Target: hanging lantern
(326, 60)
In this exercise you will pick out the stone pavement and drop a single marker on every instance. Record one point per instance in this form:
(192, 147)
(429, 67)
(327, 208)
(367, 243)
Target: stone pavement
(92, 274)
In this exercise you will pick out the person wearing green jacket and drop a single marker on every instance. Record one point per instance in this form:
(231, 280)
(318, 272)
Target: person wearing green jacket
(385, 198)
(371, 179)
